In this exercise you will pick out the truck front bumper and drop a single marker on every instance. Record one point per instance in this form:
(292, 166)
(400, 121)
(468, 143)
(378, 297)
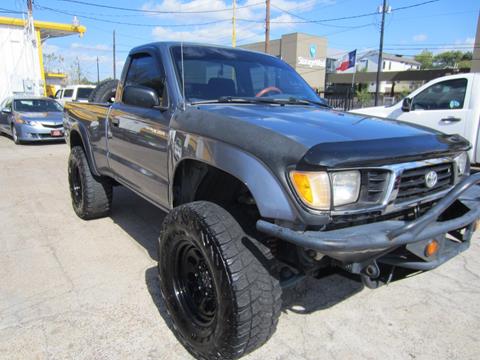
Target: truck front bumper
(397, 242)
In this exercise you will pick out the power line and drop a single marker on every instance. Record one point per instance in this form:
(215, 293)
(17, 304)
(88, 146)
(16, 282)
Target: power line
(129, 23)
(157, 11)
(344, 17)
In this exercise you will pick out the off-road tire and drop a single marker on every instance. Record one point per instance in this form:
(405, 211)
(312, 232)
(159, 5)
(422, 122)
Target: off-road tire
(91, 196)
(104, 92)
(247, 295)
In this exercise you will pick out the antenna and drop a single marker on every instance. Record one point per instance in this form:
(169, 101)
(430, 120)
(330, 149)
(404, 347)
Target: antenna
(183, 78)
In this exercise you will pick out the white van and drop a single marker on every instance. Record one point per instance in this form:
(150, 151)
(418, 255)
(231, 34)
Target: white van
(78, 93)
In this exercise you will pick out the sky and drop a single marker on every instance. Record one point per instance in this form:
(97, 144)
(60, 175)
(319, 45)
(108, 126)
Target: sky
(437, 25)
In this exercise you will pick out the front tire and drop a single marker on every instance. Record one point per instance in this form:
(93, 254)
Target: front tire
(222, 299)
(15, 138)
(91, 196)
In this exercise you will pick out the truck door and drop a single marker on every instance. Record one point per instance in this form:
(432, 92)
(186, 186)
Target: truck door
(139, 136)
(442, 106)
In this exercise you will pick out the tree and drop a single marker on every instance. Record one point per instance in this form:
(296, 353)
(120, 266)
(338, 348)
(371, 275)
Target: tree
(76, 74)
(425, 58)
(363, 97)
(448, 59)
(53, 62)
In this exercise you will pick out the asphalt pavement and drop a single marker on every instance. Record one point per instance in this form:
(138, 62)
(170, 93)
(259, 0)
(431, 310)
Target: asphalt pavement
(72, 289)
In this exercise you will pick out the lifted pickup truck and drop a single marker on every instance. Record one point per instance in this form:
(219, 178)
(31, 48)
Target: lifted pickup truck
(264, 184)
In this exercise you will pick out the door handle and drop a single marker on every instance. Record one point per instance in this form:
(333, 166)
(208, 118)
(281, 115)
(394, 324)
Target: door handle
(116, 122)
(451, 119)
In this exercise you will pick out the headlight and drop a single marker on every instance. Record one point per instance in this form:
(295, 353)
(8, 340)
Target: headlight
(315, 191)
(462, 163)
(19, 120)
(313, 188)
(346, 187)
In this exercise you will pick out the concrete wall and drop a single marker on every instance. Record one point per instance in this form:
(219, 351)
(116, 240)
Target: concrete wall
(19, 63)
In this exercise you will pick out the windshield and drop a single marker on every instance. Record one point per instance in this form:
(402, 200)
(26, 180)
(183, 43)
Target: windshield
(212, 73)
(84, 93)
(36, 105)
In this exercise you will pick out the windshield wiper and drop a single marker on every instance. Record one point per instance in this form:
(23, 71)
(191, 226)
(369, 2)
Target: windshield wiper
(264, 100)
(302, 101)
(224, 99)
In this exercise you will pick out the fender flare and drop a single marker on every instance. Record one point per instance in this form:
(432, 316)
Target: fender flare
(82, 132)
(270, 197)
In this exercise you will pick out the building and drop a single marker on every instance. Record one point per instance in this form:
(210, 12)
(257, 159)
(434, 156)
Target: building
(368, 62)
(21, 71)
(54, 81)
(304, 52)
(476, 50)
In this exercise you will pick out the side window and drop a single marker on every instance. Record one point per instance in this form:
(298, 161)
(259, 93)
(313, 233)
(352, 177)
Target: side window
(58, 94)
(144, 70)
(445, 95)
(68, 93)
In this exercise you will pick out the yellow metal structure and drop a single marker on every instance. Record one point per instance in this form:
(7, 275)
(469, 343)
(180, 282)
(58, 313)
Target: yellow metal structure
(45, 30)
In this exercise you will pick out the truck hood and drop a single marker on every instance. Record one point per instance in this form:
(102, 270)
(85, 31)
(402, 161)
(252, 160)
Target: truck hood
(318, 137)
(380, 111)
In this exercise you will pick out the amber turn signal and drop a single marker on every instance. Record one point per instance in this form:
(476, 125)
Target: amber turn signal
(431, 248)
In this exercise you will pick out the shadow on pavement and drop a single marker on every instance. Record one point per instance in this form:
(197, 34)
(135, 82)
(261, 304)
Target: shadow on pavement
(312, 294)
(142, 221)
(136, 216)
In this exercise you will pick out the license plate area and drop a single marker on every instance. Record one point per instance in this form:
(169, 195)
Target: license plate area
(56, 133)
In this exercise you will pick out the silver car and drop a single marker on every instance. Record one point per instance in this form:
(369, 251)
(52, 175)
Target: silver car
(31, 118)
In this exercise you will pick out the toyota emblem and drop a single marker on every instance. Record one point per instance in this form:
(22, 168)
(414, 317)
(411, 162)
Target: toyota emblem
(431, 179)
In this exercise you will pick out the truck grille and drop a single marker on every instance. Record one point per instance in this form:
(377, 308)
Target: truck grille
(412, 184)
(376, 185)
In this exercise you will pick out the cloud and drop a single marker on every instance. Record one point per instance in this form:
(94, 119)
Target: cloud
(97, 47)
(420, 37)
(48, 48)
(250, 26)
(222, 10)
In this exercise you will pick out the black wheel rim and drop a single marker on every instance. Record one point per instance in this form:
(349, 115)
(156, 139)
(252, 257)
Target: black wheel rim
(76, 185)
(193, 284)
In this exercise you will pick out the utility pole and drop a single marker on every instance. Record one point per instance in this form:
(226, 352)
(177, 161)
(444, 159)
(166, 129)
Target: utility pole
(98, 72)
(234, 34)
(78, 71)
(114, 62)
(30, 7)
(380, 51)
(267, 26)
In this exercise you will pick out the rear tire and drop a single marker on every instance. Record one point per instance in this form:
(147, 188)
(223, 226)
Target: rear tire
(222, 299)
(91, 196)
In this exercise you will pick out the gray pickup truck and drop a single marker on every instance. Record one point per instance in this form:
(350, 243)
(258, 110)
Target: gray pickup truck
(264, 185)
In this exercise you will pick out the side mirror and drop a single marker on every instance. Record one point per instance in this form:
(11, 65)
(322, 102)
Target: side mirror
(141, 96)
(6, 110)
(407, 104)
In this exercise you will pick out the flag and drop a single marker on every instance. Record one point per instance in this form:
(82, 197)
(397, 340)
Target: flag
(348, 61)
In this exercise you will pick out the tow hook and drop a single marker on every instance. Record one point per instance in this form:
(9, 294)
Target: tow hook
(371, 270)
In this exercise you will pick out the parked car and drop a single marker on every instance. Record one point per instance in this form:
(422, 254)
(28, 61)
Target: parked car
(28, 118)
(264, 185)
(450, 104)
(79, 93)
